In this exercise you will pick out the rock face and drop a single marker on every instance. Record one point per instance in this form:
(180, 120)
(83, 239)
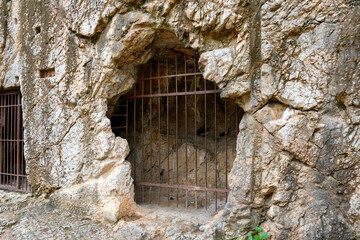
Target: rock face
(293, 66)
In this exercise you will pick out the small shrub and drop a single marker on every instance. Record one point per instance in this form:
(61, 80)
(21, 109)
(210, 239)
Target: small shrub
(257, 234)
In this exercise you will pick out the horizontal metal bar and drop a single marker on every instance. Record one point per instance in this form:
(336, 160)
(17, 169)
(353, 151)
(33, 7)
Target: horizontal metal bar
(170, 76)
(11, 174)
(11, 140)
(118, 127)
(118, 115)
(10, 92)
(191, 188)
(14, 189)
(175, 94)
(9, 106)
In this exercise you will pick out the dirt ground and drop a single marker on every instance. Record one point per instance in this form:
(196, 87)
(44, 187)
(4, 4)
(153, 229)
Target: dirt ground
(25, 217)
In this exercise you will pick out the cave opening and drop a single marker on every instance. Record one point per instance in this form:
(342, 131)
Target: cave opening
(181, 134)
(12, 162)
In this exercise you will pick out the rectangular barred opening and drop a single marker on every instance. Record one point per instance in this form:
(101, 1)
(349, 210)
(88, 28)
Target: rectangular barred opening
(182, 135)
(12, 163)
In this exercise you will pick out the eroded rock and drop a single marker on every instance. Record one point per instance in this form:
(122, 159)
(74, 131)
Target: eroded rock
(292, 66)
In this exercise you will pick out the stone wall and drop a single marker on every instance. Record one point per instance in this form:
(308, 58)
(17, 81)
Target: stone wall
(291, 65)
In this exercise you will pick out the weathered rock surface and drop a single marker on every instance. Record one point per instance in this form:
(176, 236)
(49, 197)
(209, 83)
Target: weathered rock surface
(293, 66)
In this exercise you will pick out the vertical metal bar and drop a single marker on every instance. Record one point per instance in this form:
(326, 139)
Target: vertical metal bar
(196, 164)
(236, 120)
(159, 128)
(6, 165)
(215, 148)
(8, 137)
(142, 141)
(11, 123)
(186, 138)
(134, 135)
(206, 163)
(167, 128)
(226, 152)
(177, 154)
(18, 142)
(127, 118)
(150, 142)
(1, 138)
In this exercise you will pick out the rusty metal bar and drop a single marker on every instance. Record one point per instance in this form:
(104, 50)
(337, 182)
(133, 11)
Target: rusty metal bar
(177, 134)
(18, 142)
(1, 141)
(236, 120)
(172, 76)
(176, 94)
(190, 188)
(142, 142)
(134, 134)
(215, 102)
(167, 129)
(205, 130)
(226, 152)
(159, 127)
(150, 142)
(196, 164)
(186, 136)
(127, 118)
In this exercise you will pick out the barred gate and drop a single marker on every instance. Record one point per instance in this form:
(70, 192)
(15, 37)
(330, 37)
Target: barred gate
(12, 163)
(179, 131)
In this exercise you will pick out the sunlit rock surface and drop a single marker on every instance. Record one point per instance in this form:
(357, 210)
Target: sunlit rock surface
(293, 66)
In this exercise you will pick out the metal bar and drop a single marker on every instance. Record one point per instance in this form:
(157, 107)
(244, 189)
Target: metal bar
(167, 129)
(18, 143)
(196, 164)
(186, 133)
(159, 128)
(134, 135)
(127, 118)
(13, 174)
(171, 76)
(8, 155)
(10, 140)
(121, 127)
(190, 188)
(226, 152)
(176, 94)
(118, 115)
(1, 136)
(10, 105)
(176, 138)
(206, 163)
(236, 120)
(11, 188)
(142, 141)
(215, 148)
(150, 142)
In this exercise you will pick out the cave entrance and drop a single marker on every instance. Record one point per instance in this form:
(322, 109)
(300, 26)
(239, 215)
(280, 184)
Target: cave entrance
(12, 163)
(182, 136)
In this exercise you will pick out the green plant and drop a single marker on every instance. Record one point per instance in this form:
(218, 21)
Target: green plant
(10, 225)
(258, 234)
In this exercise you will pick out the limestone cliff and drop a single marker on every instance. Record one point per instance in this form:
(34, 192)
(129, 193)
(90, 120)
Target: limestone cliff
(293, 66)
